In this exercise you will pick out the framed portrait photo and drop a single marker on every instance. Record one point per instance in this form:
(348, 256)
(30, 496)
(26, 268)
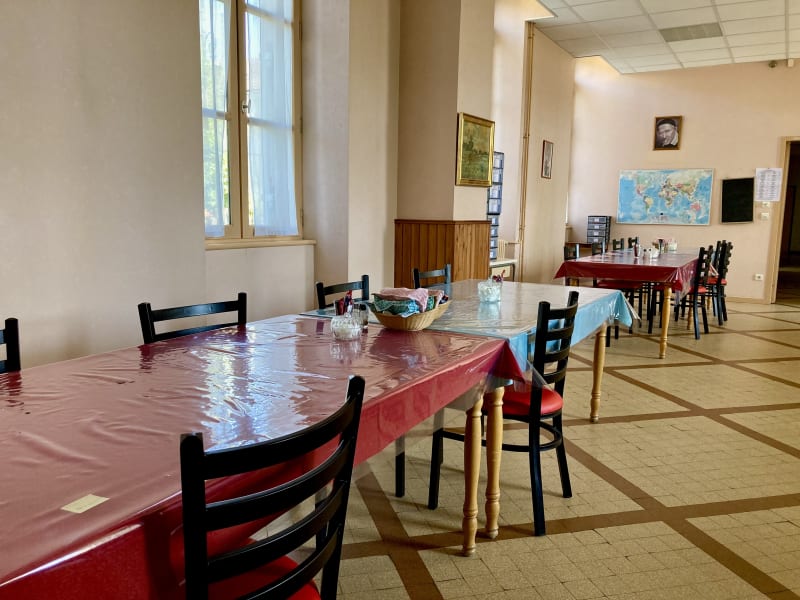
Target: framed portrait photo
(667, 133)
(547, 159)
(474, 151)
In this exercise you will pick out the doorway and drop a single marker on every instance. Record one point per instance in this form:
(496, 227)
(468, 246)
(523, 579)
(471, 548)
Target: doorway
(788, 281)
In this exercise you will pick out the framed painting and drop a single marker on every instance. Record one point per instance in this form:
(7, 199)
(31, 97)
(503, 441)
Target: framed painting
(474, 152)
(667, 134)
(547, 159)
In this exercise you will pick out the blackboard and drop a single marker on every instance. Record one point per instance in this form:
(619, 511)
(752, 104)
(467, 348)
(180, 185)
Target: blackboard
(737, 200)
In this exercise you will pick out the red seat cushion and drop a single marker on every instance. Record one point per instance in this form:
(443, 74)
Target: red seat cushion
(517, 400)
(239, 586)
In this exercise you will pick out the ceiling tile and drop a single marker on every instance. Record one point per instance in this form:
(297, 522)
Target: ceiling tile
(615, 26)
(563, 16)
(753, 25)
(712, 54)
(750, 39)
(579, 2)
(615, 9)
(766, 57)
(657, 6)
(551, 4)
(647, 61)
(703, 44)
(627, 32)
(643, 50)
(569, 32)
(751, 10)
(706, 63)
(762, 50)
(634, 39)
(682, 18)
(584, 46)
(664, 67)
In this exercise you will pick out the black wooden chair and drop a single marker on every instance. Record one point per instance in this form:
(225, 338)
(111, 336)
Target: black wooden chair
(571, 252)
(719, 279)
(529, 403)
(323, 291)
(618, 244)
(321, 494)
(696, 296)
(443, 275)
(149, 317)
(9, 337)
(632, 241)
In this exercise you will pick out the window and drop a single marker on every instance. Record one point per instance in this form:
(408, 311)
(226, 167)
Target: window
(248, 53)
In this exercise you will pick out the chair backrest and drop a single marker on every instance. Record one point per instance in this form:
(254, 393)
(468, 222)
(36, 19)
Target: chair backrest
(323, 291)
(436, 273)
(618, 244)
(703, 268)
(598, 248)
(632, 241)
(723, 259)
(551, 341)
(149, 317)
(321, 522)
(571, 251)
(10, 338)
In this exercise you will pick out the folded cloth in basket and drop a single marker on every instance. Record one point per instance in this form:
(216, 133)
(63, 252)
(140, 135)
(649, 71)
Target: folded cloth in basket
(406, 302)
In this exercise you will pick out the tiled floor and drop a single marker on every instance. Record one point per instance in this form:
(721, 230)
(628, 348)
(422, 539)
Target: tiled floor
(688, 487)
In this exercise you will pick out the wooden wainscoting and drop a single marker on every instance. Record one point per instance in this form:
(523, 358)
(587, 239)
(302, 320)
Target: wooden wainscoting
(430, 245)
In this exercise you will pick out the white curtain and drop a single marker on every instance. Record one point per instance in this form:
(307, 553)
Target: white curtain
(214, 44)
(269, 128)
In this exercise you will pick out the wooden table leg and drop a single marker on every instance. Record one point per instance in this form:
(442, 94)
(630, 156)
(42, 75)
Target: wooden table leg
(597, 373)
(666, 314)
(472, 466)
(494, 451)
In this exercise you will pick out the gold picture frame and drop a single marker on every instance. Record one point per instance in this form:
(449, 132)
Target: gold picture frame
(475, 151)
(667, 133)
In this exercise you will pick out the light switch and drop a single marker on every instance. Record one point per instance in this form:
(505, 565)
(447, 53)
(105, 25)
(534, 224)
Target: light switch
(764, 216)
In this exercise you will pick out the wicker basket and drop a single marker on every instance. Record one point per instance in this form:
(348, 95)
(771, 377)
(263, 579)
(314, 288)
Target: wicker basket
(413, 322)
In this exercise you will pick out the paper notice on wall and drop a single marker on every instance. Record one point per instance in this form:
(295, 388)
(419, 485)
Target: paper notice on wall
(768, 185)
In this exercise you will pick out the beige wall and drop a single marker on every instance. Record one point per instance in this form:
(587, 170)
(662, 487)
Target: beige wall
(546, 199)
(101, 178)
(475, 52)
(734, 118)
(429, 38)
(373, 108)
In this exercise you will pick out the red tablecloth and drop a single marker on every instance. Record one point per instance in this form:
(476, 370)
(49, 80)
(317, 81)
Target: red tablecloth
(108, 426)
(669, 267)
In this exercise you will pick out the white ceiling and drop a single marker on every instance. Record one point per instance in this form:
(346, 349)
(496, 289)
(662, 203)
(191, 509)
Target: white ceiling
(627, 32)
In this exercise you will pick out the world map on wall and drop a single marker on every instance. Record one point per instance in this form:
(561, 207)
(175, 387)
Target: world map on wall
(665, 197)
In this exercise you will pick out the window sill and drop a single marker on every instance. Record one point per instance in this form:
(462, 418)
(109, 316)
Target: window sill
(221, 244)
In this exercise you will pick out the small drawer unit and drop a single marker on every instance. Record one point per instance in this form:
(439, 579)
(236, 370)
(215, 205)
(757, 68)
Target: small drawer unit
(494, 202)
(598, 229)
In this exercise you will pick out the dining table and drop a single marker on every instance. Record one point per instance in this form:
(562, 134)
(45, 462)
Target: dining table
(673, 270)
(91, 478)
(513, 318)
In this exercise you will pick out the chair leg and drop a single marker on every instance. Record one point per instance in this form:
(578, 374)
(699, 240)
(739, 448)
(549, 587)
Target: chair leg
(400, 475)
(437, 456)
(561, 455)
(535, 466)
(705, 316)
(694, 317)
